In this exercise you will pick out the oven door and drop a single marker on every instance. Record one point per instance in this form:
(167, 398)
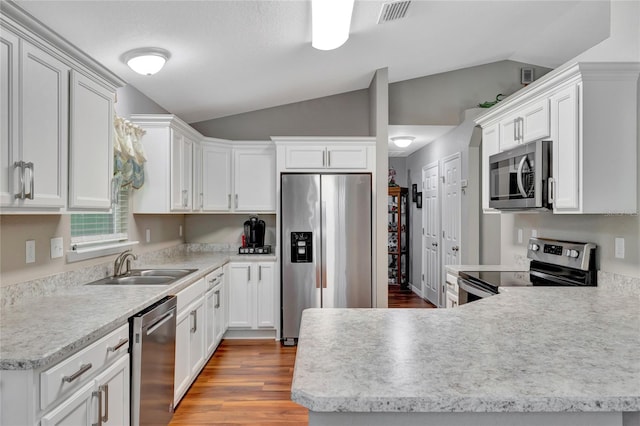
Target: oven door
(518, 178)
(469, 292)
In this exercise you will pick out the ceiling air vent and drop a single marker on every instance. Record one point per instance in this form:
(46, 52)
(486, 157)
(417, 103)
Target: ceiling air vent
(393, 10)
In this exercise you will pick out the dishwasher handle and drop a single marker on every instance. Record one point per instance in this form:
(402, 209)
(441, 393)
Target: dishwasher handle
(156, 325)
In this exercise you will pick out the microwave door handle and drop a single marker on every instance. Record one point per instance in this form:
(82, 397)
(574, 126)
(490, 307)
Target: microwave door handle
(519, 177)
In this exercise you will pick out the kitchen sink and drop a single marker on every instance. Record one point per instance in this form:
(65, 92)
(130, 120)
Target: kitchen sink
(145, 277)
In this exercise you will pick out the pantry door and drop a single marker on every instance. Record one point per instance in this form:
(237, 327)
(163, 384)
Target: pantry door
(431, 233)
(451, 214)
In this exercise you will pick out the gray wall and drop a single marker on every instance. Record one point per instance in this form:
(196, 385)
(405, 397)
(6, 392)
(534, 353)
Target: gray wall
(131, 101)
(399, 164)
(346, 114)
(439, 99)
(225, 228)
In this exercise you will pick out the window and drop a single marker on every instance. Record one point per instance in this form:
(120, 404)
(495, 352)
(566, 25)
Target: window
(100, 234)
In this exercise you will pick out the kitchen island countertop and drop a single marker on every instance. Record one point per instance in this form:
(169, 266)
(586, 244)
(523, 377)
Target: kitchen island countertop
(522, 351)
(42, 330)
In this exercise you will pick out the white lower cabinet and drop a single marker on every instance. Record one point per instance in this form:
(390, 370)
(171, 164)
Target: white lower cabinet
(451, 294)
(214, 310)
(252, 295)
(190, 338)
(105, 401)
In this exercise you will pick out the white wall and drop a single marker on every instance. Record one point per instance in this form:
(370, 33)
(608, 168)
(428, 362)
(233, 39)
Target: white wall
(622, 45)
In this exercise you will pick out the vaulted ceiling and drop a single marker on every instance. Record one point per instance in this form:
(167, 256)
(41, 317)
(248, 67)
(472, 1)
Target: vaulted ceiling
(229, 57)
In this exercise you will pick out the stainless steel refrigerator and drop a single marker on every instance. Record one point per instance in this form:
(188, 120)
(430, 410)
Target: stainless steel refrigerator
(325, 221)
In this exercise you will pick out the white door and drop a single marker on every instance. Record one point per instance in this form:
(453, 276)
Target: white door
(9, 47)
(451, 215)
(90, 144)
(240, 295)
(254, 180)
(216, 178)
(75, 410)
(266, 295)
(197, 338)
(182, 372)
(113, 384)
(431, 233)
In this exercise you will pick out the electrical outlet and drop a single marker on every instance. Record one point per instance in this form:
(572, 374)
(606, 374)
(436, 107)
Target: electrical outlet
(619, 248)
(31, 251)
(148, 235)
(534, 233)
(56, 247)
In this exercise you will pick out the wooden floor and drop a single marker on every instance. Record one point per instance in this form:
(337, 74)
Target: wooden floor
(248, 382)
(406, 299)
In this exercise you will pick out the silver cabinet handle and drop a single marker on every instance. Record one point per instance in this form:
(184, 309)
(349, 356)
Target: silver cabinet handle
(98, 394)
(229, 200)
(328, 158)
(105, 388)
(324, 154)
(194, 315)
(248, 273)
(515, 130)
(185, 198)
(202, 200)
(236, 201)
(83, 369)
(217, 294)
(20, 164)
(259, 272)
(123, 341)
(32, 176)
(550, 194)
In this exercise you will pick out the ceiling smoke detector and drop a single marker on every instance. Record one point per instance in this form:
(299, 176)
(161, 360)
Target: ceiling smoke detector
(393, 10)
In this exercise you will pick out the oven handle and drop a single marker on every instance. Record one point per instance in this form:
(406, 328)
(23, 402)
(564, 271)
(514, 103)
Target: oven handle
(519, 176)
(470, 288)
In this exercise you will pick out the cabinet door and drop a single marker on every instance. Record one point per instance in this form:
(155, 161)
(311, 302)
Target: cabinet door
(509, 135)
(254, 180)
(305, 157)
(113, 384)
(181, 171)
(566, 150)
(489, 147)
(75, 410)
(90, 144)
(216, 178)
(219, 306)
(240, 295)
(210, 321)
(44, 113)
(346, 157)
(535, 121)
(266, 309)
(182, 364)
(9, 57)
(197, 338)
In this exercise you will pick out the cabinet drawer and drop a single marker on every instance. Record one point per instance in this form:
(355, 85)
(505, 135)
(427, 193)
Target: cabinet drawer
(189, 294)
(452, 283)
(214, 279)
(73, 372)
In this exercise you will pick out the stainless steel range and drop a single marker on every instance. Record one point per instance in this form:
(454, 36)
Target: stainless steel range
(553, 263)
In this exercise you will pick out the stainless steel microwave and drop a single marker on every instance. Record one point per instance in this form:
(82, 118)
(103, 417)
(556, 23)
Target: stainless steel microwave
(519, 178)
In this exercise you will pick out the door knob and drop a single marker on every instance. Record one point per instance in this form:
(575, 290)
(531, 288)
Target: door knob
(434, 244)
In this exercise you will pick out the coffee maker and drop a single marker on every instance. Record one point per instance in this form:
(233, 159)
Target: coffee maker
(253, 237)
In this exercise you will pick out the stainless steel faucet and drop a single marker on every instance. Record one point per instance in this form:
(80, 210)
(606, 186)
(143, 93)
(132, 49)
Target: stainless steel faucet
(123, 259)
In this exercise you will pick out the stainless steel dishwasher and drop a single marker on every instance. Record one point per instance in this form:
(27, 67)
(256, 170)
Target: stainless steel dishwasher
(153, 337)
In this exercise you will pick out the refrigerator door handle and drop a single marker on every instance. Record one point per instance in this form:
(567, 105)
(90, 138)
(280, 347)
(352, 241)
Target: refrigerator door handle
(323, 245)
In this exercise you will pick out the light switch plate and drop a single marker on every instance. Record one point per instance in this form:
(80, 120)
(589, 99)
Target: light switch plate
(56, 247)
(534, 233)
(30, 251)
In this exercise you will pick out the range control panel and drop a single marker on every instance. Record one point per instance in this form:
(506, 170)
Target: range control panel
(564, 253)
(553, 249)
(301, 247)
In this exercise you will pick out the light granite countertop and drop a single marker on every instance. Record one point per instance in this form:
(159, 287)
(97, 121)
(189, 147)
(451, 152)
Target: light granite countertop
(552, 349)
(42, 330)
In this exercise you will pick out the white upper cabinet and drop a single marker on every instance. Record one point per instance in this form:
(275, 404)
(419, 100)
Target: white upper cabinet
(254, 178)
(90, 144)
(212, 177)
(529, 123)
(35, 100)
(168, 145)
(589, 112)
(305, 153)
(56, 121)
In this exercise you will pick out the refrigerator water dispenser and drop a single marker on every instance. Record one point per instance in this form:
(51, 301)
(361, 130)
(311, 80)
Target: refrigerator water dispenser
(301, 249)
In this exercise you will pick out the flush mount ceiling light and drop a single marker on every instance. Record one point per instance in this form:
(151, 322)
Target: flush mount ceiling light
(402, 141)
(146, 60)
(330, 22)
